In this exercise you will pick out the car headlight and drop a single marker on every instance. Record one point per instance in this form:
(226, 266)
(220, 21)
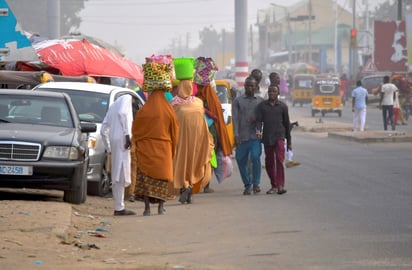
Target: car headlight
(92, 142)
(62, 152)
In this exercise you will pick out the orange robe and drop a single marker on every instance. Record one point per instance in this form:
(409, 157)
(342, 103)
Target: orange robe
(155, 136)
(208, 94)
(195, 145)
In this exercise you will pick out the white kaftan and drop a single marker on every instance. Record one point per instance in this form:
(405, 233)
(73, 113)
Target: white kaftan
(116, 125)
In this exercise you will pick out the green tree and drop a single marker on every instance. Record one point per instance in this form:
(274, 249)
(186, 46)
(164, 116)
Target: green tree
(388, 10)
(210, 42)
(32, 15)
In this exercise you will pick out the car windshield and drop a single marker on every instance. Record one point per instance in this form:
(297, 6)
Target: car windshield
(36, 110)
(90, 106)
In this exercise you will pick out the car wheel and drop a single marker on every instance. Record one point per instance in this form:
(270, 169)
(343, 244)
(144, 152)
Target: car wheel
(100, 188)
(78, 194)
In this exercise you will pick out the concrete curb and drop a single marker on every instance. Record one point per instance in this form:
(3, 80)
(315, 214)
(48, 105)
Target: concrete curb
(344, 131)
(373, 136)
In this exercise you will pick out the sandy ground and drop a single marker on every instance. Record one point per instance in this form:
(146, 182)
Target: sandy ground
(56, 235)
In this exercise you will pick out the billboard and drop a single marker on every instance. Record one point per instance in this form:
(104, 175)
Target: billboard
(391, 53)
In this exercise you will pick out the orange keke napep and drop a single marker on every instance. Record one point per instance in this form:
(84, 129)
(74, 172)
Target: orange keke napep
(326, 96)
(302, 89)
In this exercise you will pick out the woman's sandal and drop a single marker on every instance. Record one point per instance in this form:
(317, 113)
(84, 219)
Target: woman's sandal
(146, 213)
(185, 195)
(161, 211)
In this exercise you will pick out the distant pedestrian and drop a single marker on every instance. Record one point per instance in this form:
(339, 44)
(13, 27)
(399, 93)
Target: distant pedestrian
(247, 143)
(359, 103)
(274, 79)
(387, 97)
(258, 75)
(397, 111)
(272, 115)
(116, 132)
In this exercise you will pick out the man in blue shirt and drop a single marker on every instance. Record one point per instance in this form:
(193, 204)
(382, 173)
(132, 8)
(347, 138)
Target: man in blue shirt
(359, 101)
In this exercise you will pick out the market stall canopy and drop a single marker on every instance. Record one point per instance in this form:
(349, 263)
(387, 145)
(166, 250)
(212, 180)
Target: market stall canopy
(93, 40)
(75, 57)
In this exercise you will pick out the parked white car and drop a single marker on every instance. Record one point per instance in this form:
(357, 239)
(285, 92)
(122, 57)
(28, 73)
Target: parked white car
(91, 102)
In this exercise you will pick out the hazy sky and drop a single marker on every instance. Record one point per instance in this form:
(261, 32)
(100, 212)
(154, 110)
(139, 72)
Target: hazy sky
(144, 27)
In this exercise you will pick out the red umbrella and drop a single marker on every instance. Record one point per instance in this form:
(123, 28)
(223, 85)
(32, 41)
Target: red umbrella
(80, 57)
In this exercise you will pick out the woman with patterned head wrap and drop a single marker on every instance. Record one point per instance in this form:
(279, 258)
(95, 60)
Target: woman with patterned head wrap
(155, 135)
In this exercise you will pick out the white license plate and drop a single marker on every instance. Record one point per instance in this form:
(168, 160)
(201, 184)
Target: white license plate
(16, 170)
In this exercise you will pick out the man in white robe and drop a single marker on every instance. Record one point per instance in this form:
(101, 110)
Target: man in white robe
(116, 133)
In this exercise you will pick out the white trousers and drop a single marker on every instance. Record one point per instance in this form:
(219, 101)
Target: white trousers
(359, 119)
(118, 193)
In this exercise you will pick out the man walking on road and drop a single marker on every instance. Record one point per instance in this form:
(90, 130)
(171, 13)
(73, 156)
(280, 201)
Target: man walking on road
(359, 102)
(386, 102)
(247, 143)
(274, 116)
(116, 133)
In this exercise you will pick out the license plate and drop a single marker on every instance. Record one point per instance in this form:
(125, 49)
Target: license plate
(327, 101)
(16, 170)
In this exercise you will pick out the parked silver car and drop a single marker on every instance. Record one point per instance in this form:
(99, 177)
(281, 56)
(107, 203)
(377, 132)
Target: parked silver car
(43, 144)
(92, 101)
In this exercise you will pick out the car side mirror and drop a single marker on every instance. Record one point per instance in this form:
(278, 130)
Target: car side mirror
(88, 127)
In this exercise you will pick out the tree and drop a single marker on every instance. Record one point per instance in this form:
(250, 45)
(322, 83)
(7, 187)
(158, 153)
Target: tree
(388, 10)
(210, 42)
(32, 15)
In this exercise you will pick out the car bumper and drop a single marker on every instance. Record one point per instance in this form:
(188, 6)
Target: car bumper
(96, 163)
(45, 175)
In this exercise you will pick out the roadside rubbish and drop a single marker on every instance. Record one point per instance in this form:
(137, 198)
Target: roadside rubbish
(86, 246)
(83, 215)
(38, 262)
(79, 234)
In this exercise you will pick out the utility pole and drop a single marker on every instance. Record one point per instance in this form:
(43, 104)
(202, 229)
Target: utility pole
(53, 15)
(336, 36)
(310, 33)
(241, 42)
(187, 43)
(223, 48)
(289, 31)
(399, 10)
(353, 49)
